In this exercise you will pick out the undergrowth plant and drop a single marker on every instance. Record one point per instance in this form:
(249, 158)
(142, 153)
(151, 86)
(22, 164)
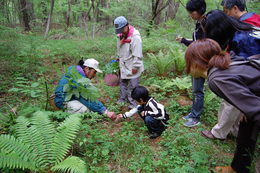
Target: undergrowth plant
(39, 146)
(27, 88)
(79, 86)
(162, 63)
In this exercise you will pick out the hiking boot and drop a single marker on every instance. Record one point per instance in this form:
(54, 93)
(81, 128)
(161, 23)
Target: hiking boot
(187, 116)
(192, 122)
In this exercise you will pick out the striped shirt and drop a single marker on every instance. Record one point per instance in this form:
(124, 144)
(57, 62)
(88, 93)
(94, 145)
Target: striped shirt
(151, 108)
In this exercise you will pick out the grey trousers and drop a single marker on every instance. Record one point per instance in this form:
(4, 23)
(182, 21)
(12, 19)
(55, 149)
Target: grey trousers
(257, 166)
(228, 121)
(126, 87)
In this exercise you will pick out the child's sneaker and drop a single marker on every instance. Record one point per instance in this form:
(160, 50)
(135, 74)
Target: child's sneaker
(153, 135)
(187, 116)
(192, 122)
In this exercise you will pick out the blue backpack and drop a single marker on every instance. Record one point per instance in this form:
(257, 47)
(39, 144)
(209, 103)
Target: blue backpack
(246, 44)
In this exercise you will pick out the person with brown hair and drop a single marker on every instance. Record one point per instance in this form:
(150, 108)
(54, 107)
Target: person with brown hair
(237, 81)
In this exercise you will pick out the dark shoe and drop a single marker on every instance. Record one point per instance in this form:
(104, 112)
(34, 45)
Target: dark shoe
(208, 134)
(153, 135)
(187, 116)
(192, 122)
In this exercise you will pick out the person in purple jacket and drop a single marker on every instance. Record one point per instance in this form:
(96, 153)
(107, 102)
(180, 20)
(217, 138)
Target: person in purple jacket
(196, 10)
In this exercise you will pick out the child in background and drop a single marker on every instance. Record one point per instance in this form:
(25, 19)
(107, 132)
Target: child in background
(154, 115)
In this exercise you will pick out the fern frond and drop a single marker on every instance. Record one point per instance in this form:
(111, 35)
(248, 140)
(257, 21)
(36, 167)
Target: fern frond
(71, 164)
(67, 132)
(12, 161)
(11, 146)
(32, 135)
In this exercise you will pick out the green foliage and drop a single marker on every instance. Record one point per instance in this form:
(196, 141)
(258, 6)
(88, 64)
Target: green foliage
(23, 86)
(178, 55)
(162, 63)
(39, 145)
(79, 86)
(110, 68)
(182, 83)
(72, 164)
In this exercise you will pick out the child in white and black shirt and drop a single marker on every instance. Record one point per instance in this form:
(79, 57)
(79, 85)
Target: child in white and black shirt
(153, 113)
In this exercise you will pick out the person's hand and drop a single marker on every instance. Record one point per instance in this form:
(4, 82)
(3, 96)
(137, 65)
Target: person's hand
(142, 113)
(134, 71)
(111, 115)
(178, 38)
(119, 117)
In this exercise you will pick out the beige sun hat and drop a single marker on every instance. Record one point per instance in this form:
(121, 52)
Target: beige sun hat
(92, 63)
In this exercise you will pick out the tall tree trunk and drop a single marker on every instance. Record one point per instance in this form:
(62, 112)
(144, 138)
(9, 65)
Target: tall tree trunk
(156, 10)
(68, 14)
(172, 9)
(49, 20)
(44, 12)
(157, 19)
(107, 20)
(2, 9)
(25, 14)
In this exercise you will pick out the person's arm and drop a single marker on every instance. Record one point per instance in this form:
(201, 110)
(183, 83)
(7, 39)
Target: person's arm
(186, 42)
(131, 112)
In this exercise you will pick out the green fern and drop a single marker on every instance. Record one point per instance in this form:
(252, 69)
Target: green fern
(39, 146)
(71, 164)
(162, 63)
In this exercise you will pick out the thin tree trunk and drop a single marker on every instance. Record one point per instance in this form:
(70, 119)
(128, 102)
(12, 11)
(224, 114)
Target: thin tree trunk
(172, 9)
(26, 19)
(49, 20)
(68, 15)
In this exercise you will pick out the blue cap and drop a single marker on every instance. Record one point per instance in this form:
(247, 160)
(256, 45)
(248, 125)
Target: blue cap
(120, 22)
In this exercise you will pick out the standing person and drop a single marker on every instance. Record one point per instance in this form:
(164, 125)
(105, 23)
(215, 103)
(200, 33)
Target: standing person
(196, 10)
(153, 113)
(236, 9)
(228, 115)
(71, 80)
(238, 83)
(225, 31)
(129, 49)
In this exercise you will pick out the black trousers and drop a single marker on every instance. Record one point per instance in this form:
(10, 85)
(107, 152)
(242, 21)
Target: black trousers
(246, 143)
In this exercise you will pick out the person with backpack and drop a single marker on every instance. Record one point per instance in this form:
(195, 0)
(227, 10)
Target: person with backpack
(228, 115)
(196, 10)
(237, 85)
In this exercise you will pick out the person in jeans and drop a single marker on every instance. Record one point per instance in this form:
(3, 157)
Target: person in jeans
(236, 84)
(228, 115)
(129, 50)
(153, 113)
(237, 81)
(196, 10)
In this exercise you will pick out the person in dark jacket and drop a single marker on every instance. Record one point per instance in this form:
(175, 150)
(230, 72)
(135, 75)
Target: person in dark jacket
(153, 113)
(228, 115)
(238, 82)
(70, 80)
(196, 10)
